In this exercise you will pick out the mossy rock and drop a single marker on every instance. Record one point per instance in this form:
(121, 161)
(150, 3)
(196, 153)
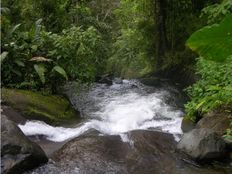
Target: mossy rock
(33, 105)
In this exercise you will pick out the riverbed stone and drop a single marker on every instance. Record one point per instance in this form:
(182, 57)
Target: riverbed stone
(18, 153)
(218, 119)
(151, 81)
(13, 115)
(202, 145)
(109, 154)
(107, 79)
(52, 109)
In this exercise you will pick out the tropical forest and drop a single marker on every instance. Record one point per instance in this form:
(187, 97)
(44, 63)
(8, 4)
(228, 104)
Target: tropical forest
(116, 86)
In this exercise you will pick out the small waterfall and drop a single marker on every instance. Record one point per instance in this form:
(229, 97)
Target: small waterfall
(117, 109)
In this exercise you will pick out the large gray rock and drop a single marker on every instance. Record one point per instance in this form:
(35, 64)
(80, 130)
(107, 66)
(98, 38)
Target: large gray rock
(218, 119)
(142, 152)
(13, 115)
(202, 144)
(18, 153)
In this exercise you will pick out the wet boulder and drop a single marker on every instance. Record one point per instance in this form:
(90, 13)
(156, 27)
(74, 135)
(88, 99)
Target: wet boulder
(92, 154)
(51, 109)
(107, 79)
(112, 154)
(137, 152)
(18, 153)
(202, 145)
(218, 119)
(13, 115)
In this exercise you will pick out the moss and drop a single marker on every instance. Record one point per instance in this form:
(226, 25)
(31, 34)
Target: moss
(33, 105)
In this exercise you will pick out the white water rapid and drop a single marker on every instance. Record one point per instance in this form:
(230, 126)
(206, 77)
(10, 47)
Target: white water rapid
(115, 110)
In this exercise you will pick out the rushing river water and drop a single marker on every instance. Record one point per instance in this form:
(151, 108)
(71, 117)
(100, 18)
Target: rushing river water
(116, 109)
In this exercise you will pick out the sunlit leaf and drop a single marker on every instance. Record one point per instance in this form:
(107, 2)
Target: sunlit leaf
(213, 42)
(17, 72)
(40, 69)
(14, 29)
(3, 56)
(5, 10)
(19, 63)
(40, 59)
(61, 71)
(38, 27)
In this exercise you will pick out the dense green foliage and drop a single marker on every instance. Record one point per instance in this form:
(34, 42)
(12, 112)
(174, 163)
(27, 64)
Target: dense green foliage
(82, 53)
(82, 37)
(216, 12)
(133, 48)
(213, 89)
(79, 52)
(213, 44)
(45, 43)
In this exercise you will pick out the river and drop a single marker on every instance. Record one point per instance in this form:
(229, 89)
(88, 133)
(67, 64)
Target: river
(117, 109)
(127, 127)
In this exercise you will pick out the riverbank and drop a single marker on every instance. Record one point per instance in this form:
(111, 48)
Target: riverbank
(132, 123)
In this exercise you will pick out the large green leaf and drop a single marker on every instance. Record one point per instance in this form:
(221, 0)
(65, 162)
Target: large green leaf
(14, 28)
(4, 10)
(38, 27)
(61, 71)
(213, 42)
(40, 69)
(3, 56)
(19, 63)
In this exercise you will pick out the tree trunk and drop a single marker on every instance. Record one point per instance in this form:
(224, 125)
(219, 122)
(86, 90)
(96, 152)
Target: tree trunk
(161, 36)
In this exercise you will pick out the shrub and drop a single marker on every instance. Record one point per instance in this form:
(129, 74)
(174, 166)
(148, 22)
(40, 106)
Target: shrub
(213, 89)
(80, 52)
(37, 59)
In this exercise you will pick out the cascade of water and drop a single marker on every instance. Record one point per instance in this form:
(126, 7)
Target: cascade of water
(115, 110)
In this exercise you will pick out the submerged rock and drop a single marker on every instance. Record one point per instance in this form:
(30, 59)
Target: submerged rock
(202, 145)
(33, 105)
(187, 125)
(18, 153)
(140, 152)
(107, 79)
(118, 81)
(151, 81)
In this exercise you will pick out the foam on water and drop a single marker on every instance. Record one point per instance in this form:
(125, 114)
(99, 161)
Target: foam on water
(118, 111)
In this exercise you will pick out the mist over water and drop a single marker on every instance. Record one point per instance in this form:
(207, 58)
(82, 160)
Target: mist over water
(117, 109)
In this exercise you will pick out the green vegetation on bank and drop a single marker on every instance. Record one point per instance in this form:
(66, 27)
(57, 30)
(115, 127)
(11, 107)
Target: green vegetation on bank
(46, 42)
(214, 45)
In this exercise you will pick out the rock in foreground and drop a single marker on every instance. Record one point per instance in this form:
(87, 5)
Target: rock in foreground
(202, 144)
(142, 152)
(18, 153)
